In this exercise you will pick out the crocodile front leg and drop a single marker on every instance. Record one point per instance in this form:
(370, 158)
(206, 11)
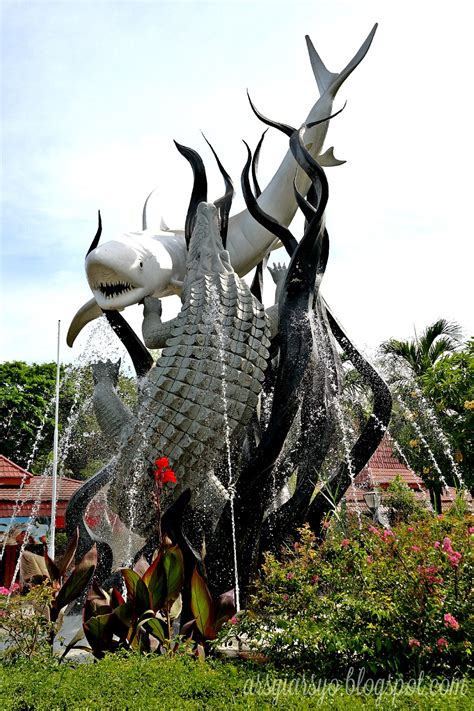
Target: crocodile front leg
(155, 332)
(278, 272)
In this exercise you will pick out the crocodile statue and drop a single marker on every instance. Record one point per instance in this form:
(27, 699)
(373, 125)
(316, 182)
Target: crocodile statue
(202, 391)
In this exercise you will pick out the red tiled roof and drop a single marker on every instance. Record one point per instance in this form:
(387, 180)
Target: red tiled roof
(40, 488)
(19, 486)
(383, 467)
(380, 471)
(11, 472)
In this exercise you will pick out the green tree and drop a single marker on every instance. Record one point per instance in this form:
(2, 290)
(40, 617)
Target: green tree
(449, 384)
(26, 409)
(433, 391)
(27, 417)
(422, 352)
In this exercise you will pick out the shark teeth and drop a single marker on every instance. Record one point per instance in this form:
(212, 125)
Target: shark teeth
(109, 290)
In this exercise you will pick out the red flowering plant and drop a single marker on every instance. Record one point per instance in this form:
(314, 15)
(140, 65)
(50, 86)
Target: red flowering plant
(163, 474)
(389, 600)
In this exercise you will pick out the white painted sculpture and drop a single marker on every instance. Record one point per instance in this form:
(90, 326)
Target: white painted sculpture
(135, 265)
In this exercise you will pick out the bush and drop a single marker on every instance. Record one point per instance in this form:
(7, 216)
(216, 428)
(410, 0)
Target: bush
(402, 504)
(25, 627)
(392, 601)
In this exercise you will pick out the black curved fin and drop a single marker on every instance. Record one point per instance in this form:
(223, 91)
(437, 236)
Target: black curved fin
(255, 159)
(223, 203)
(141, 358)
(374, 428)
(283, 127)
(96, 239)
(199, 192)
(313, 170)
(256, 288)
(284, 234)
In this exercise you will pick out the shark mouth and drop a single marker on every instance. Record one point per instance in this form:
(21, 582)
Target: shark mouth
(111, 289)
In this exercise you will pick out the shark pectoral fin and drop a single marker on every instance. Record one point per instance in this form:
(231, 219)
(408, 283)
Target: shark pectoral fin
(86, 313)
(328, 159)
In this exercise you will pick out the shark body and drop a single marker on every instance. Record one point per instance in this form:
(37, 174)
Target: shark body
(125, 270)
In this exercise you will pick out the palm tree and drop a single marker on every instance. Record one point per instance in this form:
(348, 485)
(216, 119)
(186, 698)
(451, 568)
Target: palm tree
(422, 352)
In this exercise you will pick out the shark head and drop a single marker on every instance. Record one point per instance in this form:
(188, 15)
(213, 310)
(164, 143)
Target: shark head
(124, 270)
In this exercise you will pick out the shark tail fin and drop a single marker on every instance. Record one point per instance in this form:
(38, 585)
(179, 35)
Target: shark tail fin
(330, 81)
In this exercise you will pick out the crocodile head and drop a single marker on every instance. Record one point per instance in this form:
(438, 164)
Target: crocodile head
(206, 253)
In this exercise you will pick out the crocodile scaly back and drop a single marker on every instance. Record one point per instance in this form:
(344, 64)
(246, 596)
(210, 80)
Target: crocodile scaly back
(200, 395)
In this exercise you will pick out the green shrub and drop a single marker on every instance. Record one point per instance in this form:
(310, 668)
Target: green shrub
(391, 601)
(25, 627)
(402, 504)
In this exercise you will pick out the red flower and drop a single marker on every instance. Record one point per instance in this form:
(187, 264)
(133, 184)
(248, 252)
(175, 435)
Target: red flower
(345, 542)
(162, 463)
(451, 621)
(454, 558)
(447, 547)
(162, 474)
(413, 643)
(442, 643)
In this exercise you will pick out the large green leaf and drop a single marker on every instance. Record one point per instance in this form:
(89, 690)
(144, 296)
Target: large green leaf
(97, 602)
(174, 569)
(124, 616)
(155, 580)
(68, 556)
(202, 606)
(53, 570)
(137, 591)
(156, 628)
(78, 580)
(99, 633)
(224, 608)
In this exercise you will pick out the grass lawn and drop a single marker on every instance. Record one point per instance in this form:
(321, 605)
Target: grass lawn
(134, 682)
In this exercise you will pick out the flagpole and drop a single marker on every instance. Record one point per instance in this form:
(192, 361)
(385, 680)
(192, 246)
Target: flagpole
(55, 456)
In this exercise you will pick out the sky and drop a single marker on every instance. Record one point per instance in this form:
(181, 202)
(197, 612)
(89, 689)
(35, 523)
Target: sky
(93, 94)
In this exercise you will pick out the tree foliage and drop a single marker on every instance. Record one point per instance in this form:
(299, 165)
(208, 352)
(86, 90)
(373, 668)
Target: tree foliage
(422, 352)
(27, 417)
(433, 412)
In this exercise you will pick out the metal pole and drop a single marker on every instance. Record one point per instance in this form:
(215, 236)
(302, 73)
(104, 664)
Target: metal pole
(55, 456)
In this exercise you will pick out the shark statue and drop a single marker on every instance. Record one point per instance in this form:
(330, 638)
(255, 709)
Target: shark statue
(126, 270)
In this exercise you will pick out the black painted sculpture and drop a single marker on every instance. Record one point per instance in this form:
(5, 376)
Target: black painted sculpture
(297, 374)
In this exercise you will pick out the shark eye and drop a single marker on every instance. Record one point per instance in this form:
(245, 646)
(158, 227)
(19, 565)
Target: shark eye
(141, 264)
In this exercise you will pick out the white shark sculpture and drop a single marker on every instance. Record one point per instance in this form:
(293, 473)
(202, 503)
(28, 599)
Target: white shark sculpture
(125, 270)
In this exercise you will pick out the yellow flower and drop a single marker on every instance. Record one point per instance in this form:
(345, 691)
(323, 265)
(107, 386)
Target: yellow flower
(458, 455)
(426, 470)
(414, 443)
(469, 404)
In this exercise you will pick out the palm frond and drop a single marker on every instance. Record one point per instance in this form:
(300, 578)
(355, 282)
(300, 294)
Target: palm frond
(442, 327)
(442, 346)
